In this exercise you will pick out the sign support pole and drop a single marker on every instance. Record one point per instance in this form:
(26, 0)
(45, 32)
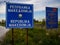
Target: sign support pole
(27, 36)
(12, 36)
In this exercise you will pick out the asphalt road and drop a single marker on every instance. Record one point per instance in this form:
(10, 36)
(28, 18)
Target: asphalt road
(3, 31)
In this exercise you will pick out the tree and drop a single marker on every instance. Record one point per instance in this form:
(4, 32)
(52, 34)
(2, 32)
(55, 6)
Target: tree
(43, 23)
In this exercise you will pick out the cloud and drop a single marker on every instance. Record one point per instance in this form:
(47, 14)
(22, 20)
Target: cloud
(2, 9)
(40, 5)
(14, 0)
(54, 5)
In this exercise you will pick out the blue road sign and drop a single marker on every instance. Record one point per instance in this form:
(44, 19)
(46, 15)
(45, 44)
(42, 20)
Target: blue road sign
(51, 17)
(19, 15)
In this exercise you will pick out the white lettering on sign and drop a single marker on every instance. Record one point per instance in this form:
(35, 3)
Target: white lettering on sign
(18, 10)
(19, 21)
(19, 25)
(19, 7)
(15, 8)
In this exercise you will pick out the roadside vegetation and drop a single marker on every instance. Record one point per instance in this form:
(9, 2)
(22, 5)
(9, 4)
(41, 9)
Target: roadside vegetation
(38, 35)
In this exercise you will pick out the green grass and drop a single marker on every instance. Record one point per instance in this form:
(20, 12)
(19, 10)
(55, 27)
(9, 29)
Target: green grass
(35, 37)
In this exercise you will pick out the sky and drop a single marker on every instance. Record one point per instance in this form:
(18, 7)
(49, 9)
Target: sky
(39, 7)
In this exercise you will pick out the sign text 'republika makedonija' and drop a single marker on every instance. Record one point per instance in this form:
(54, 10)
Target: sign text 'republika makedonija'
(51, 17)
(19, 15)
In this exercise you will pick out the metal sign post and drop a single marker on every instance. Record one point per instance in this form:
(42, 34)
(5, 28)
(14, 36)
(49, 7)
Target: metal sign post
(12, 36)
(27, 36)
